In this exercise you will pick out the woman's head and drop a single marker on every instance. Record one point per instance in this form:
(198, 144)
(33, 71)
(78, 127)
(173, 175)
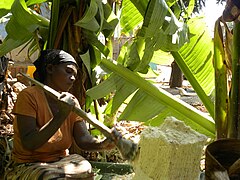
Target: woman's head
(56, 66)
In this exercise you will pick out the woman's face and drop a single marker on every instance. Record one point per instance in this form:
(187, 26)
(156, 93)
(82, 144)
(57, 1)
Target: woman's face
(63, 76)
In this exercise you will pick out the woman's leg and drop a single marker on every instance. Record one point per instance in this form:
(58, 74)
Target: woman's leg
(70, 167)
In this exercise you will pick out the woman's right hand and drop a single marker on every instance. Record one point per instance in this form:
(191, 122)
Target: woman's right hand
(66, 102)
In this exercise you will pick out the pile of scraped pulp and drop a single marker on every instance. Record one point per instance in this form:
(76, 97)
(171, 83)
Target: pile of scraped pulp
(170, 151)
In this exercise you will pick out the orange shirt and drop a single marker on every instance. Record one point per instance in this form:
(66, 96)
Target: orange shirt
(32, 102)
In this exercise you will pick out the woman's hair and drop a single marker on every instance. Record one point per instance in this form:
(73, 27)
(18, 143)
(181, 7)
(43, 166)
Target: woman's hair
(50, 56)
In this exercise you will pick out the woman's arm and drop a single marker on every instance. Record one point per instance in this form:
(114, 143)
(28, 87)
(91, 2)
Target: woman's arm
(31, 136)
(87, 142)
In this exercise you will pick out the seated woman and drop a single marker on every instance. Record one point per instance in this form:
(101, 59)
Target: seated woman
(45, 128)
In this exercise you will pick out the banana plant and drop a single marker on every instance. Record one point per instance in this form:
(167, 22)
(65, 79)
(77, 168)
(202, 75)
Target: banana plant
(222, 155)
(194, 58)
(160, 29)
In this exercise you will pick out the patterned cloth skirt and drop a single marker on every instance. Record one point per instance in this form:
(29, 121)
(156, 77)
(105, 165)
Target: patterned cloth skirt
(73, 166)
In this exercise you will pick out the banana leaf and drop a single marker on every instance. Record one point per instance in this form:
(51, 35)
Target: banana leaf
(149, 101)
(5, 7)
(21, 26)
(160, 30)
(195, 59)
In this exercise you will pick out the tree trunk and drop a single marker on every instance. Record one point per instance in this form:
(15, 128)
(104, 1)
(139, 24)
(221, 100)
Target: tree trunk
(176, 76)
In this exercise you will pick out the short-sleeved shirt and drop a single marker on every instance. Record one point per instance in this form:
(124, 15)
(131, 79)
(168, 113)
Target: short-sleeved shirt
(32, 102)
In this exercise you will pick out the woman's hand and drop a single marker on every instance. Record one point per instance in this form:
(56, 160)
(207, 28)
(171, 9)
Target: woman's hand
(116, 135)
(107, 144)
(66, 102)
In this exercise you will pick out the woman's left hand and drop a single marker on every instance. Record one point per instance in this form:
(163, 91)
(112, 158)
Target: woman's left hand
(108, 144)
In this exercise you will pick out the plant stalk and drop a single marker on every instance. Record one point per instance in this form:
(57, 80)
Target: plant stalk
(234, 96)
(200, 118)
(221, 90)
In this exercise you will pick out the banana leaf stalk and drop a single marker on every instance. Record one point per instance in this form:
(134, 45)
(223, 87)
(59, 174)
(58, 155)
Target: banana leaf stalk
(234, 96)
(53, 23)
(221, 102)
(200, 118)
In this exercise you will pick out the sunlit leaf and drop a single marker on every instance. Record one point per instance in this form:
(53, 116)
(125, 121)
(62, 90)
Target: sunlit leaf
(130, 17)
(22, 26)
(195, 60)
(5, 6)
(88, 20)
(93, 40)
(32, 2)
(183, 111)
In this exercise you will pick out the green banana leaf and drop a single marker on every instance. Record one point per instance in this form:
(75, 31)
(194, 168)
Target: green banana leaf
(160, 30)
(149, 102)
(130, 16)
(196, 62)
(98, 18)
(89, 21)
(5, 7)
(21, 26)
(32, 2)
